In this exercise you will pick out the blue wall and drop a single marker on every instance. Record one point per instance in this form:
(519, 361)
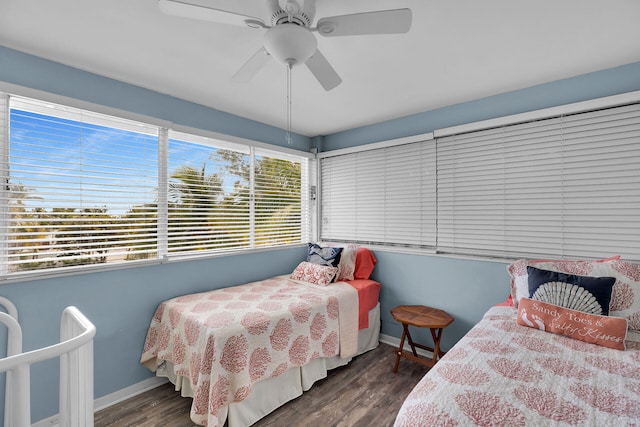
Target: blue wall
(463, 288)
(121, 302)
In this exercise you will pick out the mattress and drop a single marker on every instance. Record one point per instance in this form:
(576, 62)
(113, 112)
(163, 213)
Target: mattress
(505, 374)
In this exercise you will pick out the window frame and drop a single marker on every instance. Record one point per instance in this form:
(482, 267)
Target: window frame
(163, 128)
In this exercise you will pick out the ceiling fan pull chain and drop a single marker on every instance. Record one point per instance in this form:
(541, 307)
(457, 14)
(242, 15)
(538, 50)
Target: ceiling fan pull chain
(288, 137)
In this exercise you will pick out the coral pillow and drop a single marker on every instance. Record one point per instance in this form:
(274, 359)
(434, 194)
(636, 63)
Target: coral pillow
(314, 273)
(601, 330)
(365, 262)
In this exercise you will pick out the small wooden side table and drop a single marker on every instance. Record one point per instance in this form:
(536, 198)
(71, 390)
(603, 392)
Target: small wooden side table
(422, 317)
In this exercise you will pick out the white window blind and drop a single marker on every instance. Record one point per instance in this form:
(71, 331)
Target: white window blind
(380, 196)
(567, 186)
(281, 199)
(208, 195)
(80, 188)
(225, 196)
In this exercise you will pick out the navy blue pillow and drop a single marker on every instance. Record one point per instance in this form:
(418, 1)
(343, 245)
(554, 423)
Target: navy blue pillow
(582, 293)
(324, 256)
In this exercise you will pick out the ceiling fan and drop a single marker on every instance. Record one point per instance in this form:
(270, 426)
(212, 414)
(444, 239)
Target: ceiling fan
(288, 37)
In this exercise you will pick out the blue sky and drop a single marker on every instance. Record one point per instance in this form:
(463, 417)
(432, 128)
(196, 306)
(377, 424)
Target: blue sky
(78, 164)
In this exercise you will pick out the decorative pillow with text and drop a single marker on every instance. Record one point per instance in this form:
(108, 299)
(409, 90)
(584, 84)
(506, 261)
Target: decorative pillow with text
(606, 331)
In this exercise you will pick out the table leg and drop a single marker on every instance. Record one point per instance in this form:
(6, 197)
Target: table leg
(436, 334)
(399, 351)
(411, 343)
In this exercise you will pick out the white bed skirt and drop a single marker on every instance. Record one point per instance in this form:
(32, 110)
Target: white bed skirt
(270, 394)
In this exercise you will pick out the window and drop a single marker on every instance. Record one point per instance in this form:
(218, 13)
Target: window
(208, 195)
(381, 196)
(224, 196)
(85, 188)
(81, 188)
(566, 186)
(561, 186)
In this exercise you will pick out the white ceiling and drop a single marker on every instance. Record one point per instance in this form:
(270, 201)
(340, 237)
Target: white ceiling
(456, 51)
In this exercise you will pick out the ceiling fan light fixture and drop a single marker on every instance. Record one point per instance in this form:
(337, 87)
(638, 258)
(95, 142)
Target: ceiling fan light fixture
(290, 43)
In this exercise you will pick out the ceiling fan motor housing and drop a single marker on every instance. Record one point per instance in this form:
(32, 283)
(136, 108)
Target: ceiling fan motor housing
(301, 12)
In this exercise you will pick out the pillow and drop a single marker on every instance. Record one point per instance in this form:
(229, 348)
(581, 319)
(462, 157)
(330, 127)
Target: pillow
(365, 261)
(601, 330)
(625, 300)
(582, 293)
(506, 303)
(633, 335)
(324, 256)
(314, 273)
(347, 265)
(519, 278)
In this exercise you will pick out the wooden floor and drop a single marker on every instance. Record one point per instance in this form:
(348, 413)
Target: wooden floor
(364, 393)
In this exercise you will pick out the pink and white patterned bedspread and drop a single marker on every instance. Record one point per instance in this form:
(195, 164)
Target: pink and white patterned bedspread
(225, 340)
(504, 374)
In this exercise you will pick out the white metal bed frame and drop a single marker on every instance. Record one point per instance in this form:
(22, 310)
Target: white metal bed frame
(75, 350)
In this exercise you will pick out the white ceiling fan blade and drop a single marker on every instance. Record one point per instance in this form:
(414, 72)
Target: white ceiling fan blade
(195, 10)
(323, 71)
(394, 21)
(252, 66)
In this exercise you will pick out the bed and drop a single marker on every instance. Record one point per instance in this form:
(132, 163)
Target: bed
(530, 362)
(243, 351)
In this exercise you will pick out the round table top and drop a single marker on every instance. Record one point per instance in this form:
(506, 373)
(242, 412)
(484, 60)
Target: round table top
(421, 316)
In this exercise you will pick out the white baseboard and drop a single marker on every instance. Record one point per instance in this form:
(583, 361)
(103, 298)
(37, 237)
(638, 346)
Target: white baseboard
(111, 399)
(395, 342)
(128, 392)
